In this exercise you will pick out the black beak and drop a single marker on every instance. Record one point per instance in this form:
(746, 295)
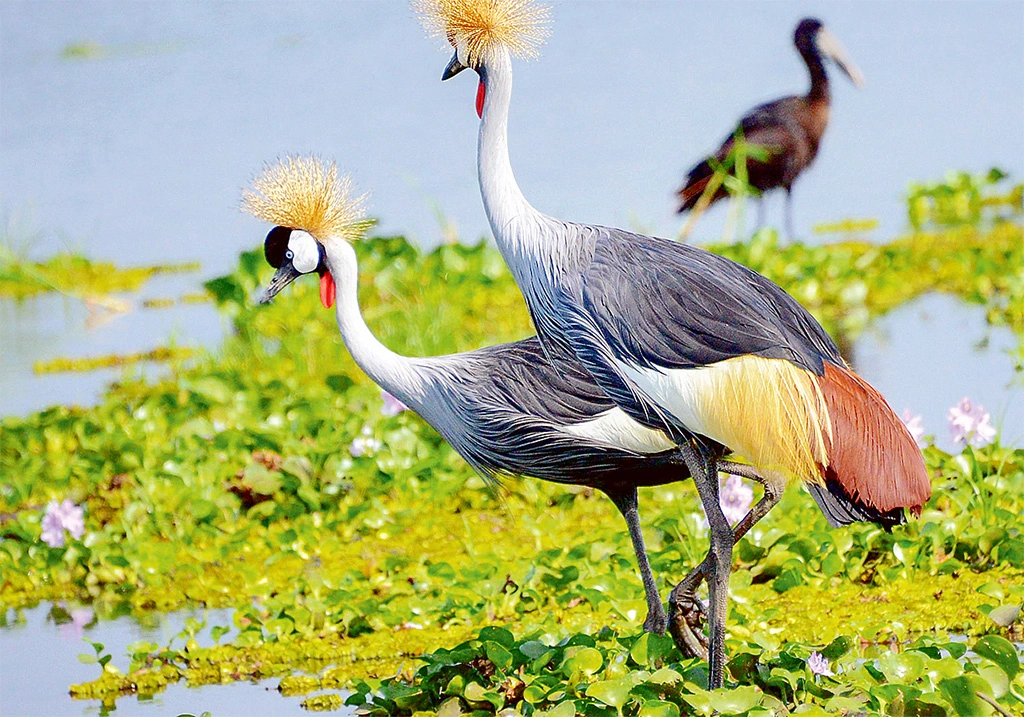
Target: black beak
(454, 68)
(282, 278)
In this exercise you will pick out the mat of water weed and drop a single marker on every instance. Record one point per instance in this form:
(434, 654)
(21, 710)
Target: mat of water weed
(74, 275)
(234, 481)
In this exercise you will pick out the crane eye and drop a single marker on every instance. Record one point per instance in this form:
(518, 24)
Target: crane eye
(289, 255)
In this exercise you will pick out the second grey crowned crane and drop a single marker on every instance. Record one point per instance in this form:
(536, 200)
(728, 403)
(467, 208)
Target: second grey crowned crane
(505, 409)
(711, 354)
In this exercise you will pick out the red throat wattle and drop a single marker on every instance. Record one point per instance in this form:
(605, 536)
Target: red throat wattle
(327, 290)
(481, 92)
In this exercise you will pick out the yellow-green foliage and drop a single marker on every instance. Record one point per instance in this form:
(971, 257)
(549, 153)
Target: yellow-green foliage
(230, 483)
(73, 275)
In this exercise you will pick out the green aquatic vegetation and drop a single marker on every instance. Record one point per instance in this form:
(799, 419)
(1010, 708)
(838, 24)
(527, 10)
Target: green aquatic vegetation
(848, 284)
(91, 363)
(963, 199)
(608, 673)
(74, 275)
(230, 482)
(86, 50)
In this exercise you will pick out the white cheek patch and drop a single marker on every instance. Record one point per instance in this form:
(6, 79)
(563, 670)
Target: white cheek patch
(305, 252)
(462, 53)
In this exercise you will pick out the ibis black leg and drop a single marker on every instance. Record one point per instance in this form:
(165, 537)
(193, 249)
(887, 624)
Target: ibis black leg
(719, 562)
(789, 214)
(691, 640)
(627, 503)
(760, 213)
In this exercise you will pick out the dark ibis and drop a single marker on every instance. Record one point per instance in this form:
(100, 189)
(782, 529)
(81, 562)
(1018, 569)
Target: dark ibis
(789, 129)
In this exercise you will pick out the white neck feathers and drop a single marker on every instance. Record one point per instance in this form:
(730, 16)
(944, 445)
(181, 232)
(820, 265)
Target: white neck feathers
(517, 226)
(396, 374)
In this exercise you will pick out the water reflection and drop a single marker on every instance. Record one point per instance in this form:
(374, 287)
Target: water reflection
(39, 650)
(929, 354)
(52, 326)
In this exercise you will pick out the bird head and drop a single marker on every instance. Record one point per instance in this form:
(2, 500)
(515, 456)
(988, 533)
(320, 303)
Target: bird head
(812, 36)
(310, 206)
(477, 29)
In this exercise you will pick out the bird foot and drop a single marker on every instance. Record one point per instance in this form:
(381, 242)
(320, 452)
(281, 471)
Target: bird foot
(687, 624)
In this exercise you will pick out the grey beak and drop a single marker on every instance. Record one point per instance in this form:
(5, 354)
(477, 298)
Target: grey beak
(454, 68)
(829, 46)
(282, 278)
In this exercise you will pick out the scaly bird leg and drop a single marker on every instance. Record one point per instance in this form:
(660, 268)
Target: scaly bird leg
(718, 562)
(627, 503)
(626, 500)
(688, 612)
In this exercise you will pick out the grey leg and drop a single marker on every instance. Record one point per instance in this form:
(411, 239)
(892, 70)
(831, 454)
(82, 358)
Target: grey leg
(719, 561)
(627, 503)
(685, 595)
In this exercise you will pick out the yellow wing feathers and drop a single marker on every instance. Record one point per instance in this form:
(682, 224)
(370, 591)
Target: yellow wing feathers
(769, 411)
(306, 193)
(480, 26)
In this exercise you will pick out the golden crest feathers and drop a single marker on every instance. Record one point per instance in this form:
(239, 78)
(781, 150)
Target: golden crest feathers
(519, 25)
(305, 193)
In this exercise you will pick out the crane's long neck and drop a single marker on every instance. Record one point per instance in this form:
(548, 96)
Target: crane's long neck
(515, 223)
(819, 80)
(396, 374)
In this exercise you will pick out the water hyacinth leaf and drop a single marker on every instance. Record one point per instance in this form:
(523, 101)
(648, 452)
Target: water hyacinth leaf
(962, 693)
(736, 700)
(651, 650)
(837, 648)
(614, 693)
(452, 707)
(1004, 615)
(995, 676)
(658, 708)
(665, 676)
(499, 635)
(534, 649)
(1001, 651)
(788, 579)
(565, 709)
(498, 655)
(904, 668)
(474, 692)
(698, 699)
(584, 661)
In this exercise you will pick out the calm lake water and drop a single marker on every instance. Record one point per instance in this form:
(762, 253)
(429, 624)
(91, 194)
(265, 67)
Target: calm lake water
(39, 661)
(127, 130)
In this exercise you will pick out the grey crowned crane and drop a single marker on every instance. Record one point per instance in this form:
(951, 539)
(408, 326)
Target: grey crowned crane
(685, 342)
(789, 129)
(505, 409)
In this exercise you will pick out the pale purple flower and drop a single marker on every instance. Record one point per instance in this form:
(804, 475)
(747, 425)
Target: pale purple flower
(364, 444)
(60, 517)
(914, 424)
(970, 424)
(817, 664)
(735, 497)
(392, 406)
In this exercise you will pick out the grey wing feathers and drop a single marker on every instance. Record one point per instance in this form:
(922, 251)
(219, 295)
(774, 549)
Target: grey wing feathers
(508, 404)
(659, 303)
(842, 509)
